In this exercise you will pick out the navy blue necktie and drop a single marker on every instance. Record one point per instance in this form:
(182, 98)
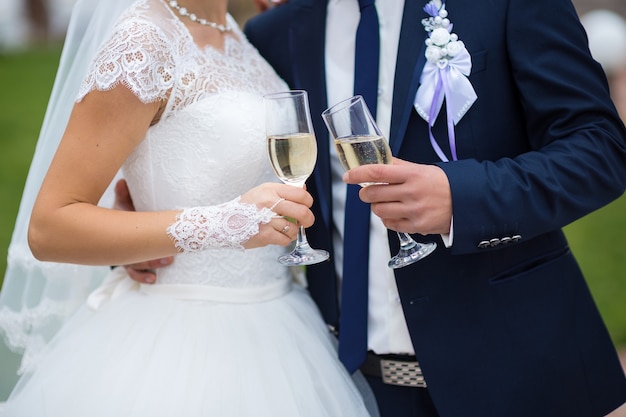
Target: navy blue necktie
(353, 317)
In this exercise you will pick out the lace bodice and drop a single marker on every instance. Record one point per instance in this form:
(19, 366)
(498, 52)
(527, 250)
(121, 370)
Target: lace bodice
(209, 145)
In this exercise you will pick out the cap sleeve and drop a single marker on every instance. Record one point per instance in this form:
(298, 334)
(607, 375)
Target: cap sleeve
(137, 56)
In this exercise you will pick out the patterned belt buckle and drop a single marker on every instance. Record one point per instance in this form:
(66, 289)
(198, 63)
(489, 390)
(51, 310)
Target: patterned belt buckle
(402, 373)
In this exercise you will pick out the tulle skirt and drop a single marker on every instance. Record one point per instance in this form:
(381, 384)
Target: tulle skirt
(149, 356)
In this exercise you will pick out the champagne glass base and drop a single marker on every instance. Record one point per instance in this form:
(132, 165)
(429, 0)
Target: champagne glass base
(411, 254)
(304, 255)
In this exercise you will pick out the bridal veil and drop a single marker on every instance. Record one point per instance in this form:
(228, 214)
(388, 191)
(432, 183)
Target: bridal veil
(36, 296)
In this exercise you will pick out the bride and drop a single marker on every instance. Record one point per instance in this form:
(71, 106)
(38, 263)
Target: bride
(174, 99)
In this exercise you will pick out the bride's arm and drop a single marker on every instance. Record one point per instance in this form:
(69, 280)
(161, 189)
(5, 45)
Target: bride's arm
(68, 226)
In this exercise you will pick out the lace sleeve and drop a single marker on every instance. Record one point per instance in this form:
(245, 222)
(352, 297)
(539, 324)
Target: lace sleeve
(138, 56)
(227, 225)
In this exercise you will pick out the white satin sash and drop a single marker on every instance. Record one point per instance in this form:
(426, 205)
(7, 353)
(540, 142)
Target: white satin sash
(119, 283)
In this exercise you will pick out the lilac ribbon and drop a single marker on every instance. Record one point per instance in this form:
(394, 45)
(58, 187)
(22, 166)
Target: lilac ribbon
(445, 78)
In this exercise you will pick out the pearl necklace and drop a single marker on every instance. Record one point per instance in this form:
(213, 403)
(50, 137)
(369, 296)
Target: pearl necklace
(185, 13)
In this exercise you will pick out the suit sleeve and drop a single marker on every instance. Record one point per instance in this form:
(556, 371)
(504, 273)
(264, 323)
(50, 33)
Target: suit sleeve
(565, 153)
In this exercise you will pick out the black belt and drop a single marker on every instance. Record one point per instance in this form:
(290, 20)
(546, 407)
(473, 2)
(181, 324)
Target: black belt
(403, 370)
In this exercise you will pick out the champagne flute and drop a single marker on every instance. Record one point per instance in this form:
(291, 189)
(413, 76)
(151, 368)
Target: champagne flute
(358, 141)
(292, 151)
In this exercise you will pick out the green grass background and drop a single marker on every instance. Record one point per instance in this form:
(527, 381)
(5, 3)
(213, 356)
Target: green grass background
(26, 81)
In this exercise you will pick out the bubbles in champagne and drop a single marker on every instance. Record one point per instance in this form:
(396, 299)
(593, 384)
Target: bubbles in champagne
(354, 151)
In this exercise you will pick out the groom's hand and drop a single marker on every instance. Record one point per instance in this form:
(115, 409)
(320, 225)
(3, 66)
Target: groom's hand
(123, 201)
(415, 198)
(144, 272)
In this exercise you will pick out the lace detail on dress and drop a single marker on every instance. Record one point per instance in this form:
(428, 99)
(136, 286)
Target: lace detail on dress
(139, 57)
(153, 54)
(228, 225)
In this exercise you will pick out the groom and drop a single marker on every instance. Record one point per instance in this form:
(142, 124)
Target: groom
(498, 321)
(499, 317)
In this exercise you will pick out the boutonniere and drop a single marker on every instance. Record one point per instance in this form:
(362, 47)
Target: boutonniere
(448, 64)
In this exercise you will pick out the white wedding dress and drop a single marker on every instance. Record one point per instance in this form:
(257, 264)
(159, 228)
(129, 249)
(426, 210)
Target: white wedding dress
(223, 332)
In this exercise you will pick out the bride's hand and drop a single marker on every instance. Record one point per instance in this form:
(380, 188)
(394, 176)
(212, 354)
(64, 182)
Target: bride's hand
(287, 202)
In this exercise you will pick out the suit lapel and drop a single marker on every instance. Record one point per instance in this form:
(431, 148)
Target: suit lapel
(409, 67)
(307, 41)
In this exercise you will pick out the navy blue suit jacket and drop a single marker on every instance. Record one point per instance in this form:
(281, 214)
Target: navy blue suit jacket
(511, 329)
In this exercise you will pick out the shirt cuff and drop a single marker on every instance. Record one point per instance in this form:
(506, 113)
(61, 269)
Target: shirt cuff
(449, 237)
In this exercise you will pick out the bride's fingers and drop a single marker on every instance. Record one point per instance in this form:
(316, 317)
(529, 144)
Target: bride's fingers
(285, 227)
(295, 194)
(296, 211)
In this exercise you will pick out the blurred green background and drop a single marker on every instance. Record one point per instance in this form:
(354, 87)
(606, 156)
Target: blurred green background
(26, 79)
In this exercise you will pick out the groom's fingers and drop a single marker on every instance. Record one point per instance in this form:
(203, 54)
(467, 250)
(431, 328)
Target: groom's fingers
(145, 272)
(375, 173)
(123, 199)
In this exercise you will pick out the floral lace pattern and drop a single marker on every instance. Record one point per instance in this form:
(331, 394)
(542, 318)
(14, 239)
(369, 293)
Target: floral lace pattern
(137, 57)
(227, 225)
(153, 54)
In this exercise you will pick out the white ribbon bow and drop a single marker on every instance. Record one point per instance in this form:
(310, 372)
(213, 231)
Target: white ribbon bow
(446, 78)
(114, 285)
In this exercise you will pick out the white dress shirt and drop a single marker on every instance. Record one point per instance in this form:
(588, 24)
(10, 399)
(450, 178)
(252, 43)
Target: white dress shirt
(387, 329)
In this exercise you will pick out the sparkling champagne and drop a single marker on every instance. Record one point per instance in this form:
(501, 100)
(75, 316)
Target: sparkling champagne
(354, 151)
(292, 156)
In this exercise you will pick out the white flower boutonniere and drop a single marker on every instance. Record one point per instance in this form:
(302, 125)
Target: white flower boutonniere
(448, 64)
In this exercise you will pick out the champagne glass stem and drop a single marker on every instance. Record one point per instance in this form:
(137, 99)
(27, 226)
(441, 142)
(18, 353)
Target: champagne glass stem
(406, 241)
(302, 253)
(301, 241)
